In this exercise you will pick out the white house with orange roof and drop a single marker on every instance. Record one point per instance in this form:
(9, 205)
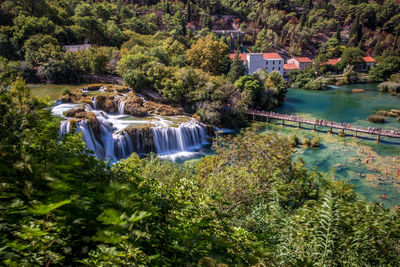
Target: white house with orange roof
(255, 61)
(288, 68)
(301, 62)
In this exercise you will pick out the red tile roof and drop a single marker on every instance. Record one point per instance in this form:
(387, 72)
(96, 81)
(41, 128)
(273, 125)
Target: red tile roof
(303, 59)
(290, 67)
(331, 61)
(271, 56)
(241, 56)
(369, 59)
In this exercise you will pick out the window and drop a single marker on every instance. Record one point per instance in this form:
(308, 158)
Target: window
(273, 62)
(279, 68)
(266, 62)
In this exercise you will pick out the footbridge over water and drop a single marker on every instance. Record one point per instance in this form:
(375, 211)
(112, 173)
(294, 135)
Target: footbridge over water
(261, 115)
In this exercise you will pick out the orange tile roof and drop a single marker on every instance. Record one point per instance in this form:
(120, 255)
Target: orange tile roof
(271, 56)
(331, 61)
(241, 56)
(303, 59)
(290, 67)
(369, 59)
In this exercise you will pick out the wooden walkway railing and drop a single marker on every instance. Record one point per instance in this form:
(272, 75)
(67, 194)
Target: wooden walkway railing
(324, 123)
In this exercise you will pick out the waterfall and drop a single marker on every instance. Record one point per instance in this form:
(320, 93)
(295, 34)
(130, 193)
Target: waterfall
(108, 137)
(94, 102)
(121, 107)
(188, 136)
(65, 127)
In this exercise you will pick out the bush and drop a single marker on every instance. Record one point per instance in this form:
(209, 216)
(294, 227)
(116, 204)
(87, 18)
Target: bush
(315, 142)
(376, 119)
(306, 141)
(66, 92)
(293, 140)
(317, 84)
(390, 87)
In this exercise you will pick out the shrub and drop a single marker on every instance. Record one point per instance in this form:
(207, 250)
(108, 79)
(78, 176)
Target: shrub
(391, 87)
(306, 141)
(376, 119)
(315, 142)
(293, 140)
(317, 84)
(66, 92)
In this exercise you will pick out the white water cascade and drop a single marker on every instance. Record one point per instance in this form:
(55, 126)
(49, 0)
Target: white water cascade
(189, 136)
(121, 107)
(110, 141)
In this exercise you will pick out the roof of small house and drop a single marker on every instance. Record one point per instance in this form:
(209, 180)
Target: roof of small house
(369, 59)
(303, 59)
(290, 67)
(243, 56)
(332, 61)
(271, 56)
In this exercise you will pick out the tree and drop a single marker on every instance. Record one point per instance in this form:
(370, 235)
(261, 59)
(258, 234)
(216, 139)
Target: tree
(208, 54)
(356, 32)
(237, 68)
(249, 84)
(266, 39)
(352, 56)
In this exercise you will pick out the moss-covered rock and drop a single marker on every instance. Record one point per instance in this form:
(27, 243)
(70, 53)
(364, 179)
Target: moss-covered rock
(382, 113)
(376, 119)
(76, 112)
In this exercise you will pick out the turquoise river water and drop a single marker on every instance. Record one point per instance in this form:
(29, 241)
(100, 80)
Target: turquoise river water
(345, 157)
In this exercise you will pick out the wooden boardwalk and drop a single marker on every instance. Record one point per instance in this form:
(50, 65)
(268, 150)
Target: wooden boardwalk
(256, 114)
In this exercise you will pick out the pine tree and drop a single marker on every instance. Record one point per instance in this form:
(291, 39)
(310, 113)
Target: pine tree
(237, 68)
(338, 30)
(356, 32)
(188, 11)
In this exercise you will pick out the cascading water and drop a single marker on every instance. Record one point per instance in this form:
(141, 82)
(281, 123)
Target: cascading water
(188, 136)
(110, 140)
(121, 107)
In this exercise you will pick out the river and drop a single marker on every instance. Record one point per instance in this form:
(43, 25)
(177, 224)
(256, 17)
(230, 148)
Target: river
(345, 158)
(342, 158)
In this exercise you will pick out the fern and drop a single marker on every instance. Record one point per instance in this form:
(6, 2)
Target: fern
(326, 231)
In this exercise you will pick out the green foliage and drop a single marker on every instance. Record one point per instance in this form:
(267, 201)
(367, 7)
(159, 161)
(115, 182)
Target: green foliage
(208, 54)
(249, 203)
(352, 56)
(385, 69)
(237, 69)
(294, 140)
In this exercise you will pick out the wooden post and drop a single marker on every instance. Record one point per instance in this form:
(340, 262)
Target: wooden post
(299, 125)
(356, 133)
(379, 138)
(267, 119)
(283, 121)
(315, 127)
(253, 116)
(343, 130)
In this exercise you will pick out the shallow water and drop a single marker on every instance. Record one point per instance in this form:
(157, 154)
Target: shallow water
(343, 157)
(54, 91)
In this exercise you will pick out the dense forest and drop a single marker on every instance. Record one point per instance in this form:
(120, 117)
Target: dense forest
(249, 204)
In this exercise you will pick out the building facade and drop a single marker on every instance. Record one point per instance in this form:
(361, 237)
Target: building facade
(301, 62)
(268, 61)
